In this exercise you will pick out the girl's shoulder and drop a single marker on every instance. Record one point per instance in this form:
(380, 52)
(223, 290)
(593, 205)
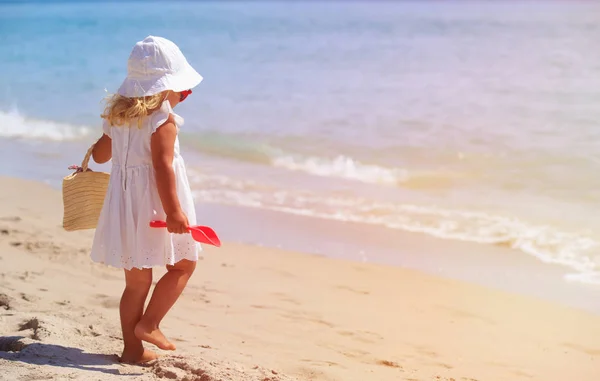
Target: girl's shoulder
(159, 116)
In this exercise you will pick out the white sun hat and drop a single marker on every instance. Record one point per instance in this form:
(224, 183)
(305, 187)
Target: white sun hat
(155, 65)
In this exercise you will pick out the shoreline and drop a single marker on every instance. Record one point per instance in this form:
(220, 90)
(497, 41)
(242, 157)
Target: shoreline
(324, 318)
(495, 266)
(543, 240)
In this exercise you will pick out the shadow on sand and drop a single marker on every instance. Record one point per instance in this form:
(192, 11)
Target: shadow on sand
(14, 348)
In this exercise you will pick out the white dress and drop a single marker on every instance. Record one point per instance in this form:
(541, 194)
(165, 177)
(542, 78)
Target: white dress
(123, 237)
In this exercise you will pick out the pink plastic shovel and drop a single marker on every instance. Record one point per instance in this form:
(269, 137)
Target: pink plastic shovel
(202, 234)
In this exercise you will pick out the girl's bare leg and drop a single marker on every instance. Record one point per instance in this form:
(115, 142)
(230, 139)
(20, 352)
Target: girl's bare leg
(165, 294)
(131, 308)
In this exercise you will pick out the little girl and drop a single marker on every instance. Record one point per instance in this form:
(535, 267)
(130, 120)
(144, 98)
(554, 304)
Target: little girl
(148, 182)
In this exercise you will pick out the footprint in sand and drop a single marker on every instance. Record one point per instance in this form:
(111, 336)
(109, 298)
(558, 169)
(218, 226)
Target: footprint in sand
(362, 336)
(320, 362)
(582, 349)
(298, 316)
(354, 290)
(353, 353)
(286, 298)
(388, 363)
(178, 369)
(89, 331)
(5, 302)
(426, 351)
(34, 326)
(210, 290)
(260, 307)
(184, 368)
(198, 297)
(29, 298)
(107, 301)
(314, 374)
(10, 218)
(442, 365)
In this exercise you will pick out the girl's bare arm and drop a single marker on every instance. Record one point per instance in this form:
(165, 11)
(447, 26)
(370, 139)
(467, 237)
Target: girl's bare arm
(162, 146)
(102, 151)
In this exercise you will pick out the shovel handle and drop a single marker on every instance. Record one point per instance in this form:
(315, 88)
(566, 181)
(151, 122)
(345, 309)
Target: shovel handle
(158, 224)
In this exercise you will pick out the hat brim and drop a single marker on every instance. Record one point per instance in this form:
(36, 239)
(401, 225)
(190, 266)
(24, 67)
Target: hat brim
(185, 79)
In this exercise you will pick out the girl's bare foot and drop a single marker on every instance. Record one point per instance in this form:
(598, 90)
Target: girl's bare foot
(136, 357)
(153, 335)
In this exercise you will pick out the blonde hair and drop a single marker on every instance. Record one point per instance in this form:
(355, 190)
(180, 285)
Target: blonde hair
(122, 110)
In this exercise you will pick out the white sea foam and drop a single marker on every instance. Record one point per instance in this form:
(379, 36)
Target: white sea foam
(546, 243)
(341, 167)
(592, 277)
(15, 125)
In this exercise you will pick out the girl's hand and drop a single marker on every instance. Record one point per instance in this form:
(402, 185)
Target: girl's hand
(177, 223)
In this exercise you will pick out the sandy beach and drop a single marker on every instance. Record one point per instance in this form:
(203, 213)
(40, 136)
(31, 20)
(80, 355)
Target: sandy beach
(253, 313)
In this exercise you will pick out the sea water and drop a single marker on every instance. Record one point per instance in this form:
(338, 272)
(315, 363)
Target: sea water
(471, 121)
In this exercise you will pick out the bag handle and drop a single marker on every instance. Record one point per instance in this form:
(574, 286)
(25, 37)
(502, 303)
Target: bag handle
(86, 158)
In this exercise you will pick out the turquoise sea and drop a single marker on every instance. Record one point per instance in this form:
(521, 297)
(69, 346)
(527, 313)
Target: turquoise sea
(474, 121)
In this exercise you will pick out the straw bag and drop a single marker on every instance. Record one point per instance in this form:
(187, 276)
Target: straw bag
(83, 196)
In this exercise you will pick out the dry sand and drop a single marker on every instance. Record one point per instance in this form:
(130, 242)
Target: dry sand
(252, 313)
